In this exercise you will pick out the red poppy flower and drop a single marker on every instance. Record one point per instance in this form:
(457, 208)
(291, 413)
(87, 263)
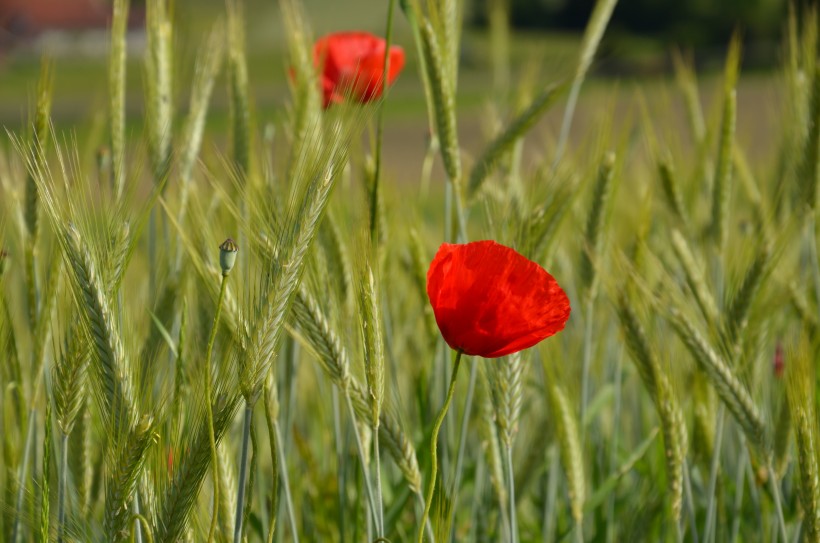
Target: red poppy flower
(491, 301)
(353, 62)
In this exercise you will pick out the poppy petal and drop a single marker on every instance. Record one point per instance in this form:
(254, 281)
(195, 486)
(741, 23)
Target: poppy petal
(353, 63)
(491, 301)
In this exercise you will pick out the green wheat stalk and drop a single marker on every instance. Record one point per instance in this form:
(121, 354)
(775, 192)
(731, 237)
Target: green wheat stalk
(515, 130)
(116, 89)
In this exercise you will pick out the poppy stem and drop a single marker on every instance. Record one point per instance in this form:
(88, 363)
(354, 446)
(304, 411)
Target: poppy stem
(431, 486)
(462, 441)
(209, 407)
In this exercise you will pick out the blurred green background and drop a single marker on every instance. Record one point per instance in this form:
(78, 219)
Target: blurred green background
(541, 47)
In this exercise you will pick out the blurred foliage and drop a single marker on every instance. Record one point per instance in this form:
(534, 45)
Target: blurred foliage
(692, 23)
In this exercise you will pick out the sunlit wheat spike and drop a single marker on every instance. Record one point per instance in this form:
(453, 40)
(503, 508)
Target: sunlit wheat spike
(334, 360)
(506, 389)
(338, 256)
(268, 329)
(693, 272)
(721, 188)
(703, 429)
(660, 390)
(227, 494)
(391, 435)
(801, 306)
(801, 398)
(594, 31)
(43, 327)
(159, 94)
(179, 498)
(401, 449)
(449, 31)
(488, 430)
(596, 218)
(120, 249)
(286, 269)
(81, 458)
(38, 140)
(730, 389)
(208, 63)
(322, 338)
(116, 382)
(444, 102)
(307, 106)
(569, 444)
(124, 470)
(418, 271)
(514, 131)
(373, 344)
(239, 89)
(546, 219)
(69, 379)
(782, 439)
(686, 80)
(675, 444)
(738, 308)
(116, 90)
(671, 189)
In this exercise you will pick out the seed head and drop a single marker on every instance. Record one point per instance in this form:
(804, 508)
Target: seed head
(4, 257)
(227, 255)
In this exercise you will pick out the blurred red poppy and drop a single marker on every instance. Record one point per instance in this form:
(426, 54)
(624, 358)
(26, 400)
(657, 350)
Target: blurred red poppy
(353, 62)
(491, 301)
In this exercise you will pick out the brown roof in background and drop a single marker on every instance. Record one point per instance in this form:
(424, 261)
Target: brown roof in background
(27, 17)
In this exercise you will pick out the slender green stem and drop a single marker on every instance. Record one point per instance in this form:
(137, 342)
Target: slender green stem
(270, 417)
(209, 408)
(340, 460)
(243, 474)
(462, 442)
(587, 360)
(360, 449)
(739, 484)
(690, 502)
(428, 526)
(61, 485)
(378, 467)
(137, 531)
(374, 196)
(18, 509)
(431, 486)
(141, 522)
(613, 455)
(552, 494)
(283, 470)
(710, 512)
(511, 495)
(778, 506)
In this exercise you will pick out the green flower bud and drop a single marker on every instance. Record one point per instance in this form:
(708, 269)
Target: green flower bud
(227, 255)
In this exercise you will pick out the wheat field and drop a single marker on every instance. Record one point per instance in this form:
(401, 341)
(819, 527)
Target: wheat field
(234, 342)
